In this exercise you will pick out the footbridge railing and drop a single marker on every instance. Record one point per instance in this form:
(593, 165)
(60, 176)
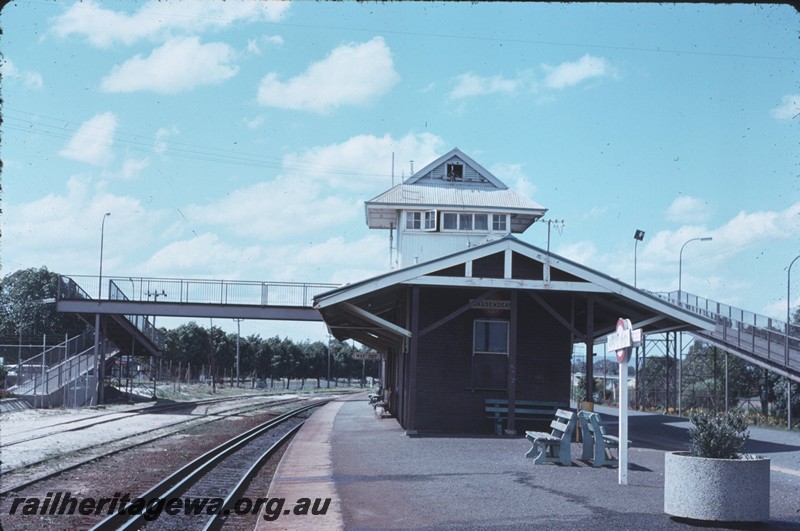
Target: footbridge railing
(203, 291)
(757, 338)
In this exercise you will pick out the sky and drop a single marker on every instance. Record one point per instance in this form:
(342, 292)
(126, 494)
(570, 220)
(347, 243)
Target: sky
(240, 140)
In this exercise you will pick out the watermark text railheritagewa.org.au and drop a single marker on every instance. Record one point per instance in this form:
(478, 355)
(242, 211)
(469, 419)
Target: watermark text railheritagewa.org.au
(64, 503)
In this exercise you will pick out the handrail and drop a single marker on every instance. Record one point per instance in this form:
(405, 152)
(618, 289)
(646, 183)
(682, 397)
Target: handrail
(770, 340)
(200, 291)
(141, 322)
(732, 315)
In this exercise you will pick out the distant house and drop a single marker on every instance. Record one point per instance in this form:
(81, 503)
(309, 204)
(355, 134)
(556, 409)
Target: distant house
(451, 204)
(476, 314)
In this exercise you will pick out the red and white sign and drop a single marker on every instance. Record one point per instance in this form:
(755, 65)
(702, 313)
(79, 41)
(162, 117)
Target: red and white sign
(621, 340)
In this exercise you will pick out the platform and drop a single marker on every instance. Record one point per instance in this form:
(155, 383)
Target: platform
(378, 477)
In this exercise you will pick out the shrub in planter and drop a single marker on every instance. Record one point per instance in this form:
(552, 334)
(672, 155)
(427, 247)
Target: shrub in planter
(714, 481)
(718, 436)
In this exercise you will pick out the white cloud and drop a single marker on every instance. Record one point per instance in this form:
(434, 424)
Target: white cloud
(708, 267)
(205, 253)
(156, 20)
(363, 163)
(253, 123)
(581, 252)
(93, 140)
(331, 260)
(789, 108)
(63, 228)
(515, 178)
(470, 85)
(278, 210)
(131, 168)
(179, 65)
(253, 45)
(569, 74)
(745, 231)
(352, 74)
(688, 209)
(160, 145)
(30, 80)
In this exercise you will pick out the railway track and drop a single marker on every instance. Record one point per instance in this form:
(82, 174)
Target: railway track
(217, 479)
(29, 474)
(111, 416)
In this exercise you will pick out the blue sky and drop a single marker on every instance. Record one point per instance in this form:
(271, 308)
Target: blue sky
(236, 140)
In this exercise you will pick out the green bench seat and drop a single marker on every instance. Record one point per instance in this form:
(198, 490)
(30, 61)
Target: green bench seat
(597, 444)
(497, 409)
(556, 445)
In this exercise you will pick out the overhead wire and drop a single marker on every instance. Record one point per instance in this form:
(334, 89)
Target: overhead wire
(135, 142)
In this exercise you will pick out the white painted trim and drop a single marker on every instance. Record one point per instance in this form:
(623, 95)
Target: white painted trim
(594, 281)
(512, 283)
(374, 319)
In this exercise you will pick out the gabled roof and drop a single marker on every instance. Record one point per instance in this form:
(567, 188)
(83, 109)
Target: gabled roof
(365, 310)
(453, 155)
(430, 188)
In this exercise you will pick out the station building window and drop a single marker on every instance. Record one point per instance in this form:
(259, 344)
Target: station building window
(421, 220)
(499, 222)
(476, 222)
(490, 354)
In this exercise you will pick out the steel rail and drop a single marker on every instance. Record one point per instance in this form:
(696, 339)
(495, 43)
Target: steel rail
(218, 519)
(183, 478)
(120, 415)
(29, 482)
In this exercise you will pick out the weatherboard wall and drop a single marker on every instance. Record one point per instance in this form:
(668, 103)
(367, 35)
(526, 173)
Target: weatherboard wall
(446, 398)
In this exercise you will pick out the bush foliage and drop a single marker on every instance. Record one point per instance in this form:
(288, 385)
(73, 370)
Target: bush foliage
(719, 436)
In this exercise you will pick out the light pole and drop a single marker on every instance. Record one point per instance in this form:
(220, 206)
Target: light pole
(680, 263)
(102, 233)
(680, 302)
(638, 236)
(786, 343)
(98, 364)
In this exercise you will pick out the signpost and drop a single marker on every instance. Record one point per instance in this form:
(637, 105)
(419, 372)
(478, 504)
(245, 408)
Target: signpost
(368, 355)
(622, 342)
(364, 356)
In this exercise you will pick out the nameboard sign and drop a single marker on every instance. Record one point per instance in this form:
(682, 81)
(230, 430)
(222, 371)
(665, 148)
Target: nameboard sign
(370, 356)
(492, 305)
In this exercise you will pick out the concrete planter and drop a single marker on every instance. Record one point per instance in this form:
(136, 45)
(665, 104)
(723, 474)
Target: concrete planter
(725, 490)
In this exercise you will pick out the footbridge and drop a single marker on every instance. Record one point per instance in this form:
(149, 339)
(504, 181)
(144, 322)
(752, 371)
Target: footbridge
(123, 314)
(764, 341)
(170, 297)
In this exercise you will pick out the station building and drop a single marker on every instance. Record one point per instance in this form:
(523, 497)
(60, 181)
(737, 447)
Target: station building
(471, 312)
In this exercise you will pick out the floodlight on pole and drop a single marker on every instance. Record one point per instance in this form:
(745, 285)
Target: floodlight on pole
(638, 236)
(680, 262)
(680, 301)
(98, 364)
(100, 278)
(786, 341)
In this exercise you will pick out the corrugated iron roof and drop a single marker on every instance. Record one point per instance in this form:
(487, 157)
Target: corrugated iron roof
(455, 195)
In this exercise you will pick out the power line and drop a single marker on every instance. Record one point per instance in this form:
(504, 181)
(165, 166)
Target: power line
(65, 129)
(478, 38)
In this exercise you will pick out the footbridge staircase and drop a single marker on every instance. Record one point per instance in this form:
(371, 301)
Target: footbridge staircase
(764, 341)
(67, 374)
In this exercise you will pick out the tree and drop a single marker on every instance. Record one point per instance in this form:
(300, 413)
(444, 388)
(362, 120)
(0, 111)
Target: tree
(22, 311)
(187, 344)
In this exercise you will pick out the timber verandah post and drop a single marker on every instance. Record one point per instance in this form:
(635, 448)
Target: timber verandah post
(411, 428)
(589, 382)
(512, 363)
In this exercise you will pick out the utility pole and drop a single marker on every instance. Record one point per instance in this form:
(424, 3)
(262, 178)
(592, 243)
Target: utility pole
(550, 222)
(238, 333)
